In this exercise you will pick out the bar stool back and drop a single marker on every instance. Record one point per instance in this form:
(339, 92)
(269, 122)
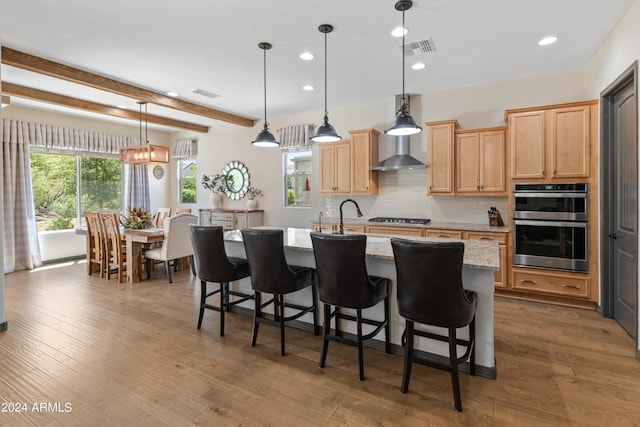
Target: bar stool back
(343, 282)
(430, 292)
(213, 265)
(271, 274)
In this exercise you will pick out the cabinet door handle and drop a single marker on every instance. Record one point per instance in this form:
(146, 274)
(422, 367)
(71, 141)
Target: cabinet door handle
(532, 282)
(478, 188)
(482, 187)
(570, 286)
(486, 238)
(542, 172)
(444, 236)
(555, 173)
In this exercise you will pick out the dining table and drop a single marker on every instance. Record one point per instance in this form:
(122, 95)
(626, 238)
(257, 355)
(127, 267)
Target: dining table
(135, 242)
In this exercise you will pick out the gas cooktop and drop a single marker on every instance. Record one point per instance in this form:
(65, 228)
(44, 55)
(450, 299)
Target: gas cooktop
(419, 221)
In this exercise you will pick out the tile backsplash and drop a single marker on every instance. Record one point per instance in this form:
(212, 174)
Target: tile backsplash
(402, 193)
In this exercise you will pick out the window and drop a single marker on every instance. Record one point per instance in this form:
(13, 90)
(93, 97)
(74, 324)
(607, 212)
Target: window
(297, 178)
(187, 181)
(58, 197)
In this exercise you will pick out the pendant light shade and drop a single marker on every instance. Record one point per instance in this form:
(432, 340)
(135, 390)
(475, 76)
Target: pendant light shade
(325, 132)
(403, 124)
(265, 138)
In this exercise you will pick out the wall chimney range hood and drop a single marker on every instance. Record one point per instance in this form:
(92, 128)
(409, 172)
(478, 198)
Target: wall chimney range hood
(402, 158)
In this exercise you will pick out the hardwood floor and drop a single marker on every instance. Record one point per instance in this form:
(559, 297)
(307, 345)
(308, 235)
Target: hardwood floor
(130, 355)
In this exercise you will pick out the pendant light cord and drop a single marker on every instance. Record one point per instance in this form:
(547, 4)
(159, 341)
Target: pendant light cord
(264, 51)
(404, 95)
(325, 75)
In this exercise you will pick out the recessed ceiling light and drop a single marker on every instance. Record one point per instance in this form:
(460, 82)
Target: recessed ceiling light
(418, 66)
(548, 40)
(174, 94)
(307, 56)
(399, 32)
(307, 87)
(124, 107)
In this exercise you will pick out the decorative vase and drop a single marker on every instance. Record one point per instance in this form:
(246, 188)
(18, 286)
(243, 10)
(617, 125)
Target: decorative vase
(216, 200)
(251, 204)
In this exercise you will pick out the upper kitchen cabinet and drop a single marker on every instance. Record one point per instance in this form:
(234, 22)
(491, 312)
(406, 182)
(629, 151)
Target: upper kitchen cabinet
(440, 157)
(553, 142)
(480, 162)
(364, 153)
(335, 167)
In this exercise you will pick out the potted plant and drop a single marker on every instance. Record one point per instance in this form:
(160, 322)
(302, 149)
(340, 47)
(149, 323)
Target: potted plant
(253, 193)
(217, 184)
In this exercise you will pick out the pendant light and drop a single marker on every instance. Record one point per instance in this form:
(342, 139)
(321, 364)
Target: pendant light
(325, 132)
(265, 138)
(146, 153)
(403, 124)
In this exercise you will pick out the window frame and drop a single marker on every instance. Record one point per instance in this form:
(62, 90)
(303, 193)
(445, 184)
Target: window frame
(179, 167)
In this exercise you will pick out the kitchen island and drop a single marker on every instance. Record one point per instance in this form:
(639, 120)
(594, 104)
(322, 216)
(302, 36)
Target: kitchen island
(480, 260)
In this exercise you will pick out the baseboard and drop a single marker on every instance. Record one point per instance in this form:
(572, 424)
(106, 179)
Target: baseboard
(4, 326)
(481, 371)
(66, 259)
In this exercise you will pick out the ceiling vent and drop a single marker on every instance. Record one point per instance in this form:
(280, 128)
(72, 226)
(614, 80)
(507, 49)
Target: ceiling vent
(205, 93)
(419, 47)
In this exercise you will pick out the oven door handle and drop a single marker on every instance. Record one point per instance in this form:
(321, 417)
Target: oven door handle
(550, 223)
(550, 195)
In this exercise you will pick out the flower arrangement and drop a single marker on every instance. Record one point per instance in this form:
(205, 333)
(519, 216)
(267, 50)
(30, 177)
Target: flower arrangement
(216, 183)
(138, 218)
(253, 192)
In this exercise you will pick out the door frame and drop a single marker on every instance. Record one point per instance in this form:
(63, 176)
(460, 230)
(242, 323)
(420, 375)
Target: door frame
(605, 306)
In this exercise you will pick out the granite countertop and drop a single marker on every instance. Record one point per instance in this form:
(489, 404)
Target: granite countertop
(477, 253)
(432, 224)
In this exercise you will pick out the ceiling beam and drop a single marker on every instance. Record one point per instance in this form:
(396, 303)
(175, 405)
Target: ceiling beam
(39, 65)
(93, 107)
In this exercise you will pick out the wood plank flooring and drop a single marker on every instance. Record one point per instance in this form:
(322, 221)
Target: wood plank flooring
(130, 355)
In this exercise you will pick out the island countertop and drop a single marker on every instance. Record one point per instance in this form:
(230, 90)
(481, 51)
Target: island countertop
(478, 254)
(468, 226)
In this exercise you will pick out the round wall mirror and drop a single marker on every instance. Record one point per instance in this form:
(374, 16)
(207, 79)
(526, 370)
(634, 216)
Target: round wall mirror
(237, 180)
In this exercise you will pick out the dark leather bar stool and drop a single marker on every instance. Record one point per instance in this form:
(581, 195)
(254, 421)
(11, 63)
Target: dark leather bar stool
(271, 274)
(343, 282)
(430, 292)
(213, 265)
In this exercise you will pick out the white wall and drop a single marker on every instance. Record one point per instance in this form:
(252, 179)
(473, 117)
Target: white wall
(401, 193)
(616, 54)
(63, 244)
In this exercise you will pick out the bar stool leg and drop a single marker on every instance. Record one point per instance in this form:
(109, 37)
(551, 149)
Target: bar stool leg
(453, 355)
(387, 328)
(360, 352)
(408, 355)
(280, 303)
(326, 328)
(224, 299)
(203, 297)
(472, 341)
(257, 313)
(314, 292)
(226, 306)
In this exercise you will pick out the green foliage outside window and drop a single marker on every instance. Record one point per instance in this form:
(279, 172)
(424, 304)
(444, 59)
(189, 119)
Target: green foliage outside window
(188, 181)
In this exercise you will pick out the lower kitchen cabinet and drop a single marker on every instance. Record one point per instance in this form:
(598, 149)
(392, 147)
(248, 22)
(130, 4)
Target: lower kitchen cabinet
(442, 234)
(231, 219)
(500, 276)
(563, 284)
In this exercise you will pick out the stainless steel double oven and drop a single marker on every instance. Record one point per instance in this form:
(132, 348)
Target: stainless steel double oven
(550, 226)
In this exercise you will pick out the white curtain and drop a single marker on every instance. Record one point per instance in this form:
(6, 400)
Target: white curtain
(21, 247)
(184, 148)
(296, 137)
(136, 187)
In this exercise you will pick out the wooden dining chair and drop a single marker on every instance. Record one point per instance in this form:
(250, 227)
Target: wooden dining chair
(160, 216)
(95, 250)
(115, 253)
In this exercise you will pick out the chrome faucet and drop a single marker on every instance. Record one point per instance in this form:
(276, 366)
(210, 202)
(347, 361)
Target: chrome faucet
(320, 222)
(341, 231)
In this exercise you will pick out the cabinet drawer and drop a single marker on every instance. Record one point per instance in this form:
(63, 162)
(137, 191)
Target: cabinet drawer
(500, 238)
(551, 283)
(221, 216)
(354, 228)
(443, 234)
(395, 231)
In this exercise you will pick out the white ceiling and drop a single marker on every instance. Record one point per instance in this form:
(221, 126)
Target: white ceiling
(168, 45)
